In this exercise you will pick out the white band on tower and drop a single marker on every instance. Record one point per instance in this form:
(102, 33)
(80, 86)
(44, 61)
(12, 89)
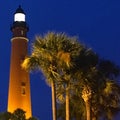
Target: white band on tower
(19, 38)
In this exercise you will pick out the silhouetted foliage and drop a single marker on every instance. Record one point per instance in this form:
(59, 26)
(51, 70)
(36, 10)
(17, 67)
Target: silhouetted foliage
(18, 114)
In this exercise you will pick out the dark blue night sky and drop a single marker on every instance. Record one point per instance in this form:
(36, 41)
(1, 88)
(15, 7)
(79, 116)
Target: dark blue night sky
(95, 22)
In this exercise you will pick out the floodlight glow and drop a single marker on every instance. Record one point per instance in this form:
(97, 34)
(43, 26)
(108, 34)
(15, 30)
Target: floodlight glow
(19, 17)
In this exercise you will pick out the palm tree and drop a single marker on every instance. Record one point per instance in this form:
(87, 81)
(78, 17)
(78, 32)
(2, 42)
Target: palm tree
(88, 88)
(86, 78)
(53, 54)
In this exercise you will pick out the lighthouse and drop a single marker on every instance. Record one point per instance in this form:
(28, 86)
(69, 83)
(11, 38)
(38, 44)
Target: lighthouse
(19, 83)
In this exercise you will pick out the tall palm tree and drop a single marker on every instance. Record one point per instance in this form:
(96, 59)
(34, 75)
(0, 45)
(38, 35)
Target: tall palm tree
(86, 78)
(53, 54)
(88, 89)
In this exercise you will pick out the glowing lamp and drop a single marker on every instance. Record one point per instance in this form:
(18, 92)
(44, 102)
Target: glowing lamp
(19, 15)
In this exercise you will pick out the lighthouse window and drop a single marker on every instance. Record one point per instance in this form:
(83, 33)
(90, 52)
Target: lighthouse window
(23, 84)
(23, 91)
(23, 88)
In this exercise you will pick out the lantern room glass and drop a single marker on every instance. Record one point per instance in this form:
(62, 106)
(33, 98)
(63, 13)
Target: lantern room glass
(20, 17)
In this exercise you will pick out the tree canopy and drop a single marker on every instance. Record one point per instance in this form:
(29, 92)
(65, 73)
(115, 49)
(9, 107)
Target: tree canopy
(18, 114)
(81, 82)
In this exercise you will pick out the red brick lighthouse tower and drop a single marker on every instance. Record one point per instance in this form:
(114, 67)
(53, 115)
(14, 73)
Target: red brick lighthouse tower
(19, 83)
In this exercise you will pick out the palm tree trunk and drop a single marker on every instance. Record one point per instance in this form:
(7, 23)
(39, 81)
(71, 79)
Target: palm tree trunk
(53, 101)
(88, 110)
(67, 104)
